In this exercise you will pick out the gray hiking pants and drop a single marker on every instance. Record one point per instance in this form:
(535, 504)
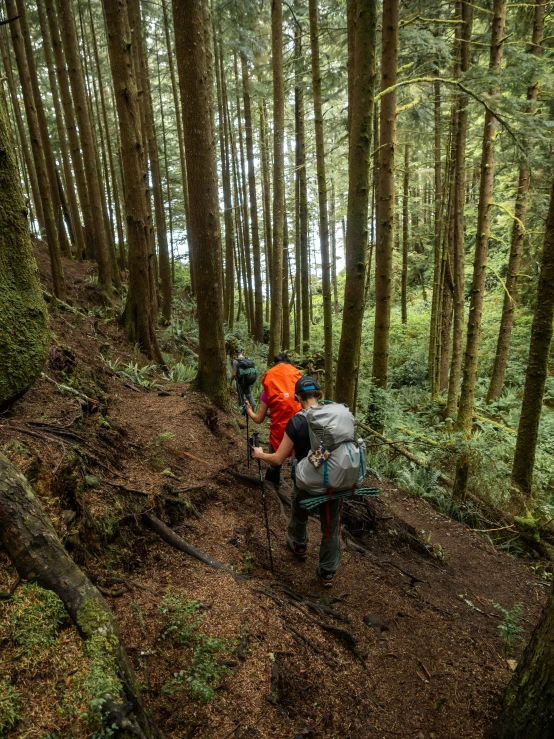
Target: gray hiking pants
(330, 517)
(245, 391)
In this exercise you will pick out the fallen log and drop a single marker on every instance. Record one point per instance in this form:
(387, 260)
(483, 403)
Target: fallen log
(177, 542)
(29, 538)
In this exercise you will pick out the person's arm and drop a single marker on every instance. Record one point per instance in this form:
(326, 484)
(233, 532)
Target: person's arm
(235, 370)
(278, 457)
(260, 415)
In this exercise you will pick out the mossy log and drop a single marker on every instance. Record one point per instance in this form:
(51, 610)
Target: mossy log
(24, 332)
(27, 535)
(529, 698)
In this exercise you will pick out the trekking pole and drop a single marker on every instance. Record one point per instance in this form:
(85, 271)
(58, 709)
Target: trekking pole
(255, 442)
(244, 412)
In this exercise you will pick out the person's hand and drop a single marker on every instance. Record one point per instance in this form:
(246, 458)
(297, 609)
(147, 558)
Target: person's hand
(249, 408)
(257, 451)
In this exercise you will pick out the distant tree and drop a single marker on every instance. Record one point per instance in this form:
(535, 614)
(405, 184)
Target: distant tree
(24, 332)
(194, 62)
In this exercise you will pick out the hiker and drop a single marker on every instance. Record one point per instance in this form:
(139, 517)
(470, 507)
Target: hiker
(245, 374)
(278, 397)
(329, 458)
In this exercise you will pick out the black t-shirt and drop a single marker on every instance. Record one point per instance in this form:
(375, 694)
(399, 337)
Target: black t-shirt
(297, 431)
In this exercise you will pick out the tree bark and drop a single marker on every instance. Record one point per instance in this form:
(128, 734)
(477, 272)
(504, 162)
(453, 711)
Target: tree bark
(465, 13)
(278, 175)
(465, 412)
(285, 341)
(518, 230)
(182, 156)
(527, 704)
(27, 535)
(437, 296)
(71, 127)
(258, 295)
(23, 347)
(405, 233)
(88, 146)
(140, 312)
(359, 158)
(537, 366)
(29, 164)
(300, 152)
(50, 224)
(385, 195)
(228, 200)
(333, 230)
(194, 60)
(322, 201)
(266, 189)
(62, 136)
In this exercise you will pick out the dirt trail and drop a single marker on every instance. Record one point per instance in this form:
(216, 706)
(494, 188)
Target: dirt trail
(414, 647)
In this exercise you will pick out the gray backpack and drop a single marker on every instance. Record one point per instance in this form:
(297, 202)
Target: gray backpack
(338, 449)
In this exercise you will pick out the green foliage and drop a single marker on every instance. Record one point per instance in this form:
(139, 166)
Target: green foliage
(132, 372)
(510, 628)
(32, 620)
(180, 372)
(10, 706)
(205, 652)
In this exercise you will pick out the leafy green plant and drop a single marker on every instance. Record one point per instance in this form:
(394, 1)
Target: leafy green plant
(10, 706)
(132, 372)
(510, 628)
(206, 667)
(180, 373)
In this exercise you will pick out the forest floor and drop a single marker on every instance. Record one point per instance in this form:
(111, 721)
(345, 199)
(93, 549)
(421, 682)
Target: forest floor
(414, 648)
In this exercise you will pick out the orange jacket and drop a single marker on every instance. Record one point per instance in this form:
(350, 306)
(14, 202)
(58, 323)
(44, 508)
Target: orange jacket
(278, 383)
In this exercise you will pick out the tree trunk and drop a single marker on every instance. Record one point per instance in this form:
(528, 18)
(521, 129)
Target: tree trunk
(140, 313)
(285, 341)
(359, 158)
(333, 230)
(300, 151)
(518, 230)
(64, 151)
(322, 201)
(88, 146)
(537, 366)
(58, 279)
(29, 164)
(266, 189)
(258, 295)
(71, 127)
(465, 13)
(27, 535)
(385, 195)
(195, 73)
(228, 200)
(437, 295)
(465, 412)
(24, 348)
(249, 292)
(278, 175)
(405, 233)
(527, 704)
(109, 148)
(182, 157)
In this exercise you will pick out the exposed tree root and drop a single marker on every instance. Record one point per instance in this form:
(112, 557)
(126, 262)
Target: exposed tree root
(32, 544)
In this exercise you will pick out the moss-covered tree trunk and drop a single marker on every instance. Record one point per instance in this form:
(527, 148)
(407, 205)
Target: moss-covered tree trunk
(27, 535)
(362, 38)
(537, 366)
(194, 60)
(405, 233)
(24, 333)
(140, 307)
(527, 707)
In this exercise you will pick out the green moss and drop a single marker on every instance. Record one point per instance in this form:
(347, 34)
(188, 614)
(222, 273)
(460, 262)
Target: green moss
(24, 332)
(32, 620)
(10, 706)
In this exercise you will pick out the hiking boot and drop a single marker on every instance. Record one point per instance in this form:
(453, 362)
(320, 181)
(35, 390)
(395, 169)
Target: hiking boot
(326, 578)
(300, 552)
